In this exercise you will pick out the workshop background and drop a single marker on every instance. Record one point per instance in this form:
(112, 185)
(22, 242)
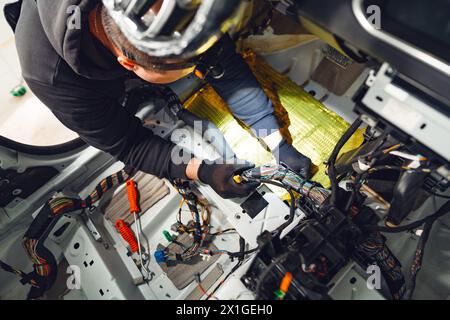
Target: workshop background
(23, 118)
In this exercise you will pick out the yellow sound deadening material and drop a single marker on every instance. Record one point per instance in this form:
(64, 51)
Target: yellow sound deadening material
(313, 129)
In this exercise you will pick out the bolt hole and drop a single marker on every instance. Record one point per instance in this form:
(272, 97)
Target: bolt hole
(286, 217)
(380, 99)
(353, 280)
(76, 246)
(423, 126)
(312, 92)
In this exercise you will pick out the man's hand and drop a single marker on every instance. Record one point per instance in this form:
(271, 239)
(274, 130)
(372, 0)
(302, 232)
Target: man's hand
(287, 154)
(220, 177)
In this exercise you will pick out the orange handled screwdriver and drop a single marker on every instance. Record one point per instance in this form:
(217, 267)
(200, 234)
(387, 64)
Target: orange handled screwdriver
(133, 196)
(127, 235)
(134, 210)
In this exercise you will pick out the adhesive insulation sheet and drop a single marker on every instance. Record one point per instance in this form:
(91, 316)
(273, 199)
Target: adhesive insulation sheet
(313, 129)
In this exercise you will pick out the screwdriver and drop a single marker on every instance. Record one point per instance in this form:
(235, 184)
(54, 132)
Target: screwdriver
(127, 235)
(134, 210)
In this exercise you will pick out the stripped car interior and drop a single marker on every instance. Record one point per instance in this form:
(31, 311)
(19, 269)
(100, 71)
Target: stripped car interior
(369, 106)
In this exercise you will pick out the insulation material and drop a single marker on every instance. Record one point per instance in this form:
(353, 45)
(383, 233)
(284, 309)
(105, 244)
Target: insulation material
(313, 129)
(151, 190)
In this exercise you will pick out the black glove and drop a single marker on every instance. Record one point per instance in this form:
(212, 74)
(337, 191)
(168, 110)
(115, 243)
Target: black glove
(287, 154)
(220, 178)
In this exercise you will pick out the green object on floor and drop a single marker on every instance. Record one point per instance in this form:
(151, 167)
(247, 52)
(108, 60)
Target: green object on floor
(19, 91)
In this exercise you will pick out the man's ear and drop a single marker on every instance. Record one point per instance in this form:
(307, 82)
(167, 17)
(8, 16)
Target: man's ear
(126, 63)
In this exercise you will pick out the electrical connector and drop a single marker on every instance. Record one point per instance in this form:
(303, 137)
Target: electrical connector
(205, 257)
(176, 227)
(168, 236)
(279, 295)
(160, 256)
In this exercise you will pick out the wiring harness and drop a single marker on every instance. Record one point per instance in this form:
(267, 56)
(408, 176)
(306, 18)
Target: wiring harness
(361, 236)
(199, 228)
(45, 267)
(290, 181)
(375, 250)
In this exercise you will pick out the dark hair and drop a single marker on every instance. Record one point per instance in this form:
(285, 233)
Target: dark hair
(116, 36)
(121, 42)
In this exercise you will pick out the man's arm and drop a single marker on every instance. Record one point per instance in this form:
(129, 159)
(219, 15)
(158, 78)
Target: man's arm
(102, 123)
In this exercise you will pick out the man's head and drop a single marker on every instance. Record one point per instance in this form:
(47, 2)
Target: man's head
(171, 35)
(151, 69)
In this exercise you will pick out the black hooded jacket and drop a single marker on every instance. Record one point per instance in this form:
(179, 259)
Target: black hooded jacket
(81, 82)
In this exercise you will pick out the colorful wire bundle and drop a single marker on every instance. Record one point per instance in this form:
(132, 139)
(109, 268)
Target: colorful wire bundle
(105, 185)
(44, 263)
(199, 227)
(290, 179)
(374, 247)
(201, 230)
